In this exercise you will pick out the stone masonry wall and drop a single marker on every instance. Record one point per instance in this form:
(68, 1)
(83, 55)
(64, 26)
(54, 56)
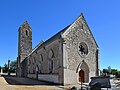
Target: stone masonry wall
(78, 32)
(41, 58)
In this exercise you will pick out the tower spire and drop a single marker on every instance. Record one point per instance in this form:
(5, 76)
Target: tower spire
(25, 25)
(25, 41)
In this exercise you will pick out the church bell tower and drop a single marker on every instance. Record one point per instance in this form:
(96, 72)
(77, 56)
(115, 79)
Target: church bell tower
(24, 41)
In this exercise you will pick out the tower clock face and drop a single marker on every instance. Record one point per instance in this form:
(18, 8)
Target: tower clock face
(83, 49)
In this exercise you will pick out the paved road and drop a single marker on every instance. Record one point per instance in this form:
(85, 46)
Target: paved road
(11, 83)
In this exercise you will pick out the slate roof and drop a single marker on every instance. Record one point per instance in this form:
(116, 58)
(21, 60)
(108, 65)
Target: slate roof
(42, 43)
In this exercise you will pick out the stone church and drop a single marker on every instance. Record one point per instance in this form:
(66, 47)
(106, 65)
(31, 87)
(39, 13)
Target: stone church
(68, 57)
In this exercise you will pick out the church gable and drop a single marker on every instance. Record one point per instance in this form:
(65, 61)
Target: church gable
(80, 52)
(79, 43)
(79, 26)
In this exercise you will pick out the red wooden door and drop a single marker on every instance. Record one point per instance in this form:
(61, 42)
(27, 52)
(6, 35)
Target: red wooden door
(81, 76)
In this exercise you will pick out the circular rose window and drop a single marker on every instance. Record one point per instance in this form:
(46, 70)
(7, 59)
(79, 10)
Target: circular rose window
(83, 49)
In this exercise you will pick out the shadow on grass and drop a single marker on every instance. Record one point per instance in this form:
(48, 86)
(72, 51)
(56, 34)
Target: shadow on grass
(12, 80)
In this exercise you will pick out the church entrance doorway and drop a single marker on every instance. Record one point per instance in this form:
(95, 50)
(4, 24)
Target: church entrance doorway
(81, 76)
(83, 72)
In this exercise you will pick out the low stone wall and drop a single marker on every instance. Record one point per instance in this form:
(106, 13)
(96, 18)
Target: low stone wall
(49, 78)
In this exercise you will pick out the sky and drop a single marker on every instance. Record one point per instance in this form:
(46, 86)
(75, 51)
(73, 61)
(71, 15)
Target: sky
(47, 17)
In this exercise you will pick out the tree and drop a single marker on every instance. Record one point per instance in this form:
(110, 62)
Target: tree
(114, 71)
(5, 68)
(111, 71)
(119, 72)
(13, 66)
(105, 71)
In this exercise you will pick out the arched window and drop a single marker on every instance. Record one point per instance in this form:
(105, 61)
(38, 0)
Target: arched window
(39, 68)
(26, 33)
(41, 57)
(50, 66)
(40, 63)
(29, 62)
(51, 56)
(34, 60)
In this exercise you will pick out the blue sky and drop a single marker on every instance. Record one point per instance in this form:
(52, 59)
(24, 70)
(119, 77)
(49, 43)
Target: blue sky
(47, 17)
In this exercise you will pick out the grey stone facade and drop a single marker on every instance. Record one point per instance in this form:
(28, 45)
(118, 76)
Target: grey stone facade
(70, 56)
(79, 32)
(24, 44)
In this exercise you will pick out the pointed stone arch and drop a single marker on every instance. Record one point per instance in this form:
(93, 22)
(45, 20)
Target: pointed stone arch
(51, 61)
(51, 54)
(83, 70)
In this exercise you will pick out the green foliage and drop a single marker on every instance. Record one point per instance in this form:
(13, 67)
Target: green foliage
(13, 66)
(118, 72)
(105, 70)
(111, 71)
(114, 71)
(5, 68)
